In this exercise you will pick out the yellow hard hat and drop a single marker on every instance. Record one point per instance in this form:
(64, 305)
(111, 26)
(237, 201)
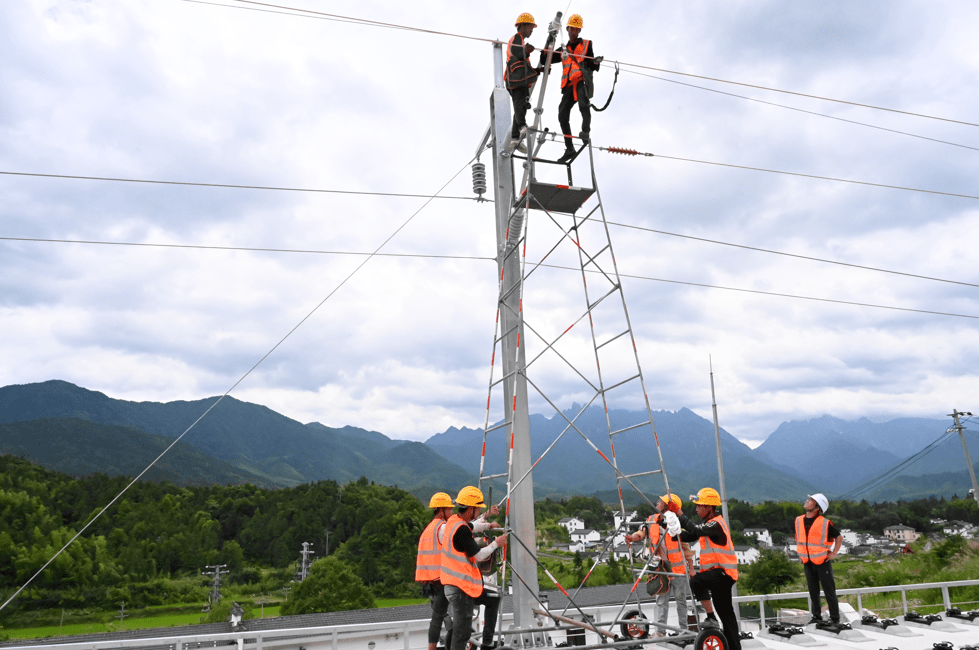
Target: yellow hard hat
(708, 497)
(440, 500)
(672, 501)
(470, 496)
(576, 21)
(525, 18)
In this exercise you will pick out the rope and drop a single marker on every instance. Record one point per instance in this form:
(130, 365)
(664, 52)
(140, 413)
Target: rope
(609, 100)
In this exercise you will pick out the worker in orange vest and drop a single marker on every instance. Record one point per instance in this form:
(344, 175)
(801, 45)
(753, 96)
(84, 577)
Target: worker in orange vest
(519, 76)
(578, 63)
(718, 563)
(460, 574)
(675, 552)
(818, 543)
(428, 570)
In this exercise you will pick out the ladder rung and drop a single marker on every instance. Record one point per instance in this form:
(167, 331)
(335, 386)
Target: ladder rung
(502, 379)
(612, 339)
(634, 426)
(655, 471)
(498, 426)
(625, 381)
(491, 477)
(596, 303)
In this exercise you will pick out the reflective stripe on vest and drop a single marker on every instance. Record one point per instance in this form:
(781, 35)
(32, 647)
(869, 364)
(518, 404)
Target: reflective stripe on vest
(428, 564)
(713, 556)
(816, 547)
(509, 55)
(571, 61)
(457, 569)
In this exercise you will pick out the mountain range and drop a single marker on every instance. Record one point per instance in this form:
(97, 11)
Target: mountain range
(79, 431)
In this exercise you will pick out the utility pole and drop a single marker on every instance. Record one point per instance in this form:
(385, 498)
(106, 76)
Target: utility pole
(216, 573)
(968, 460)
(305, 562)
(720, 466)
(326, 544)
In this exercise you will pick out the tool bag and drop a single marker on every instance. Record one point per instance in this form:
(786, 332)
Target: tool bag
(658, 584)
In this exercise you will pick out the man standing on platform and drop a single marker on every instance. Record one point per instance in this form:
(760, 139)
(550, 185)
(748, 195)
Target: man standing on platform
(578, 63)
(818, 543)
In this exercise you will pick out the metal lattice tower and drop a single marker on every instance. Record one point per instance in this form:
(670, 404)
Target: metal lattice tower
(592, 352)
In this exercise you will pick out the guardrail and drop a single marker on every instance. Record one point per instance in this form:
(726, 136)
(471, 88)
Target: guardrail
(860, 592)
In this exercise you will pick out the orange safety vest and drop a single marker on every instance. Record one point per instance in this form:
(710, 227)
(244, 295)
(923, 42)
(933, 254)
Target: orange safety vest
(571, 60)
(816, 547)
(529, 71)
(428, 564)
(673, 552)
(713, 556)
(457, 569)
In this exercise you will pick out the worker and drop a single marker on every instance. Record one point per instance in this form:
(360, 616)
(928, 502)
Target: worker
(428, 570)
(578, 63)
(818, 543)
(676, 556)
(519, 76)
(460, 576)
(718, 563)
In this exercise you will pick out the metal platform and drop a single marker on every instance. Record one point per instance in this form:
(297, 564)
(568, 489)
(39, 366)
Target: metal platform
(555, 198)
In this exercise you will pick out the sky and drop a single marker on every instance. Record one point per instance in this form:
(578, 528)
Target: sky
(179, 90)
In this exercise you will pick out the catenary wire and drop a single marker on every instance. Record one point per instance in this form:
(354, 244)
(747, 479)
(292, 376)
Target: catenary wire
(394, 194)
(802, 110)
(237, 187)
(378, 23)
(795, 255)
(482, 258)
(897, 469)
(235, 385)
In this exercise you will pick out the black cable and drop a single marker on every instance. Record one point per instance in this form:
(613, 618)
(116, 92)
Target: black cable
(802, 257)
(897, 469)
(475, 257)
(237, 187)
(801, 110)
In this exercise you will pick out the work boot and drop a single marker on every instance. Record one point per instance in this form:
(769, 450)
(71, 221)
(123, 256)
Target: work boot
(566, 158)
(585, 136)
(814, 621)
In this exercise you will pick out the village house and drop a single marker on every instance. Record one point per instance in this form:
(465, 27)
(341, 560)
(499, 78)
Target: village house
(963, 528)
(900, 533)
(571, 524)
(582, 539)
(747, 554)
(760, 534)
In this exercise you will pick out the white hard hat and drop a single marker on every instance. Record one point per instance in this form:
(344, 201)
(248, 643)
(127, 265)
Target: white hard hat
(821, 500)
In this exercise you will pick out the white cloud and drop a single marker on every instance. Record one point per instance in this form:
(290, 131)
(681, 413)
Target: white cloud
(185, 91)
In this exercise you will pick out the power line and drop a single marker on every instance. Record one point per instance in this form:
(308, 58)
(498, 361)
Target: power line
(802, 110)
(235, 385)
(237, 187)
(482, 258)
(376, 23)
(796, 255)
(633, 152)
(897, 469)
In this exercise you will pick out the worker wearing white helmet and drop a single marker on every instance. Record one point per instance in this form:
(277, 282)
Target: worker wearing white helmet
(817, 543)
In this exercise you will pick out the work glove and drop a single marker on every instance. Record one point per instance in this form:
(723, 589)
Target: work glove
(672, 523)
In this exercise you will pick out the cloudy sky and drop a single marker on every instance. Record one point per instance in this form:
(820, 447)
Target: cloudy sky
(178, 90)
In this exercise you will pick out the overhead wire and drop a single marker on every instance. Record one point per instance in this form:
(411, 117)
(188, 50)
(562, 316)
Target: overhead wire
(486, 258)
(897, 469)
(235, 385)
(802, 110)
(377, 23)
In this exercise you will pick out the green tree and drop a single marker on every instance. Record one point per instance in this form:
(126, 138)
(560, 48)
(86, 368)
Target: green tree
(331, 586)
(769, 573)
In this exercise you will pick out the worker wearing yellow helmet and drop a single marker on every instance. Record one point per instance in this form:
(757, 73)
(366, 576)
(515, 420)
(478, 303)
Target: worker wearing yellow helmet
(519, 76)
(674, 551)
(718, 564)
(428, 569)
(460, 576)
(578, 64)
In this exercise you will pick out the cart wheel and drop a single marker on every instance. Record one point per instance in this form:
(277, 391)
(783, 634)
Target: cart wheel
(637, 629)
(711, 639)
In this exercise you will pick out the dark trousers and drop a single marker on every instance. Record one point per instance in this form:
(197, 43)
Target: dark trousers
(822, 574)
(564, 111)
(715, 585)
(440, 610)
(521, 102)
(461, 606)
